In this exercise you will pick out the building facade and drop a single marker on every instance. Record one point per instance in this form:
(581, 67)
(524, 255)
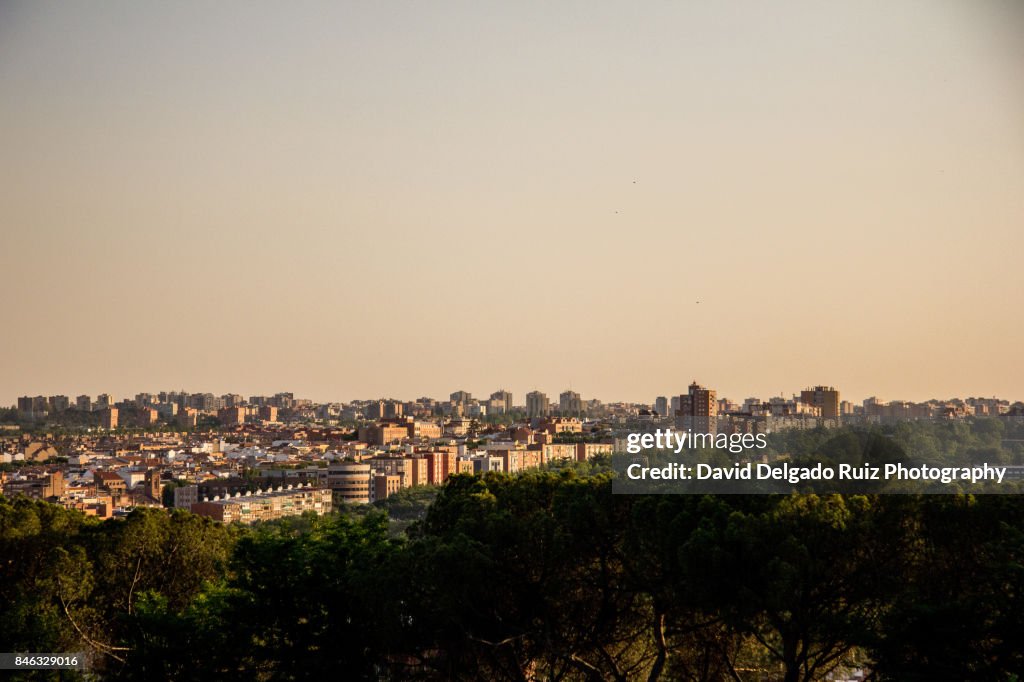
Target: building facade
(268, 506)
(698, 410)
(537, 404)
(824, 397)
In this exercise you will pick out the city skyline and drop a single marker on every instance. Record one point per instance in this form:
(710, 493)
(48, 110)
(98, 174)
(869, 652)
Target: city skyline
(519, 398)
(352, 200)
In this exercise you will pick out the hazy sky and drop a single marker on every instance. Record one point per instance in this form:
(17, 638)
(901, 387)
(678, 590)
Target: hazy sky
(370, 199)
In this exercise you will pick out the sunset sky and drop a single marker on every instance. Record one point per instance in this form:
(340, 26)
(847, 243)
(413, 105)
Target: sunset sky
(367, 199)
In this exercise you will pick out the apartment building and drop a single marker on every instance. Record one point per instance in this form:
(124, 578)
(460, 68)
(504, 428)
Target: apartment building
(249, 507)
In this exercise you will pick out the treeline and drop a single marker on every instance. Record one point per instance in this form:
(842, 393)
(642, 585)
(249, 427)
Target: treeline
(544, 576)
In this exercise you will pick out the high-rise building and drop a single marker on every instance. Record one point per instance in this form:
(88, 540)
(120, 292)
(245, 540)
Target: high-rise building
(374, 410)
(285, 401)
(83, 403)
(167, 410)
(441, 465)
(417, 471)
(393, 409)
(187, 417)
(824, 397)
(147, 416)
(204, 402)
(501, 401)
(569, 404)
(698, 410)
(231, 416)
(537, 404)
(33, 407)
(58, 403)
(661, 406)
(108, 418)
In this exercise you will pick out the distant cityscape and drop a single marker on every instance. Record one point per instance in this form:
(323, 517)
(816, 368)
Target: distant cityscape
(233, 458)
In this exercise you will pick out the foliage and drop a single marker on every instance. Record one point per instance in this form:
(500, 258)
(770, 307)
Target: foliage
(409, 504)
